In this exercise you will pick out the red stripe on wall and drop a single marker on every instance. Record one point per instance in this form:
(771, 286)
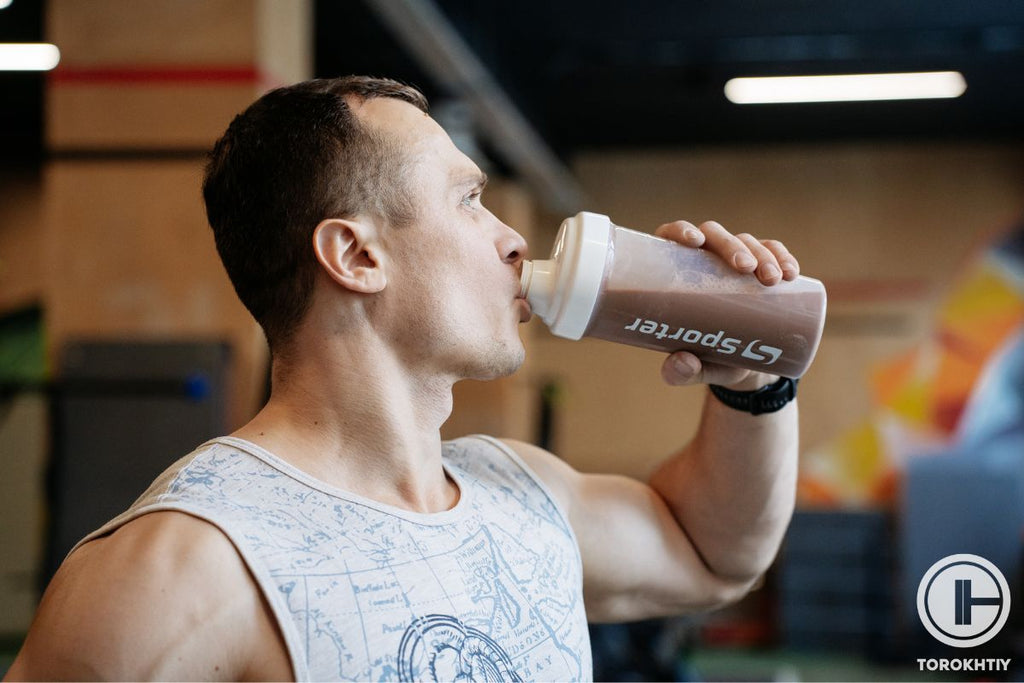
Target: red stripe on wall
(159, 75)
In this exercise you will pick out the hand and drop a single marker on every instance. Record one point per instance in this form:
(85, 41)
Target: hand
(767, 260)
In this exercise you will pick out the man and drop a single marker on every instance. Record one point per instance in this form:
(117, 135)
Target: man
(335, 536)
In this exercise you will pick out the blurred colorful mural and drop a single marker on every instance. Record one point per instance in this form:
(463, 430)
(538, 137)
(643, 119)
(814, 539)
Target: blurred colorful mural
(920, 398)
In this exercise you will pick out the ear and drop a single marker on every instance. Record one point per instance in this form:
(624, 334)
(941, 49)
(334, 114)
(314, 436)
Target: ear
(350, 255)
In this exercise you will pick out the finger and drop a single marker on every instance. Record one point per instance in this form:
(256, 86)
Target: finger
(682, 232)
(768, 270)
(790, 266)
(682, 368)
(726, 376)
(729, 247)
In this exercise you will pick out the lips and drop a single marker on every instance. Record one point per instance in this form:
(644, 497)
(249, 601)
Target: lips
(525, 310)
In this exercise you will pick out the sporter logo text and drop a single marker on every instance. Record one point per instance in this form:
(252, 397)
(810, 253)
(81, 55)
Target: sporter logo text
(754, 350)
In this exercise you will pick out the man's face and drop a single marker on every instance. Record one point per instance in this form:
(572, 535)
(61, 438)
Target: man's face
(453, 273)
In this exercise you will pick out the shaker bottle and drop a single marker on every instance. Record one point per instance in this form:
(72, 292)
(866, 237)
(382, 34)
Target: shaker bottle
(613, 283)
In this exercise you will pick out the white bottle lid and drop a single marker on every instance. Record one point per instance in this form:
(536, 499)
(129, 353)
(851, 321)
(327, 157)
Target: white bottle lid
(563, 290)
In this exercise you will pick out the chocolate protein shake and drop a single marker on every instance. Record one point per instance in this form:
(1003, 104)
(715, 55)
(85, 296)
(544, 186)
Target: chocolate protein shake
(612, 283)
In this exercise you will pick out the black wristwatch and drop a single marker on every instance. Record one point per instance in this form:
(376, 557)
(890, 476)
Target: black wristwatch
(767, 399)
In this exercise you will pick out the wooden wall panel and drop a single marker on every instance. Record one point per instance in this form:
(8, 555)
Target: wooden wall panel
(154, 32)
(885, 226)
(21, 239)
(129, 254)
(173, 117)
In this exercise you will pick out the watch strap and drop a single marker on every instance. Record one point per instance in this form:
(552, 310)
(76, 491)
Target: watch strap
(768, 399)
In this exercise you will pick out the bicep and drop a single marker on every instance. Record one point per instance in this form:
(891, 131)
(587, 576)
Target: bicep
(637, 561)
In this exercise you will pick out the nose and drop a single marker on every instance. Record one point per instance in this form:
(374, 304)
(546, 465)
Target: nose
(512, 246)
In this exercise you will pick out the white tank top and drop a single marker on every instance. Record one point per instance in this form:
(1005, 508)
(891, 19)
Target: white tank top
(489, 590)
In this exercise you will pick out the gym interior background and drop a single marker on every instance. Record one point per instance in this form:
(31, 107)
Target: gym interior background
(122, 345)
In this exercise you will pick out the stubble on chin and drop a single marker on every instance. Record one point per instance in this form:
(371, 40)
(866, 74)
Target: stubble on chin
(513, 361)
(499, 361)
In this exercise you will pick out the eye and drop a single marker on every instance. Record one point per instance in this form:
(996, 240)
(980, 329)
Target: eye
(472, 199)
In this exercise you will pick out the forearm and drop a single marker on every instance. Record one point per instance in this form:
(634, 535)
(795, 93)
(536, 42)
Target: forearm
(732, 489)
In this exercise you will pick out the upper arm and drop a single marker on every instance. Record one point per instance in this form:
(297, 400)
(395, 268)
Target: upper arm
(166, 596)
(637, 561)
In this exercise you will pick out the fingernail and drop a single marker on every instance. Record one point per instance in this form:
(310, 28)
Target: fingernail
(770, 271)
(744, 260)
(692, 234)
(789, 269)
(685, 366)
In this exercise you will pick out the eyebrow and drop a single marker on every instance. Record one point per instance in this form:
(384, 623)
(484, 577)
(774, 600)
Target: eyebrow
(476, 179)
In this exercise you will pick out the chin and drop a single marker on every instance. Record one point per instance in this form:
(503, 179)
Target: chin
(515, 363)
(500, 363)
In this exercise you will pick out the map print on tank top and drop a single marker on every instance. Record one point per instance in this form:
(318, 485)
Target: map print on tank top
(489, 590)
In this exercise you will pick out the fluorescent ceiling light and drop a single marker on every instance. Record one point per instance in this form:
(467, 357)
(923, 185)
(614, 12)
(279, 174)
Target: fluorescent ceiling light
(28, 56)
(849, 88)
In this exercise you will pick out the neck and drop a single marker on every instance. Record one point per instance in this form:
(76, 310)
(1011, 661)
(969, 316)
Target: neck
(355, 417)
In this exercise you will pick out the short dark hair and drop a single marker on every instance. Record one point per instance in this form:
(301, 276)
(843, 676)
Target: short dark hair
(294, 157)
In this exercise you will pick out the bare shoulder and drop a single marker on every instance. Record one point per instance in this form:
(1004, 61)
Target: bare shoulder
(165, 596)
